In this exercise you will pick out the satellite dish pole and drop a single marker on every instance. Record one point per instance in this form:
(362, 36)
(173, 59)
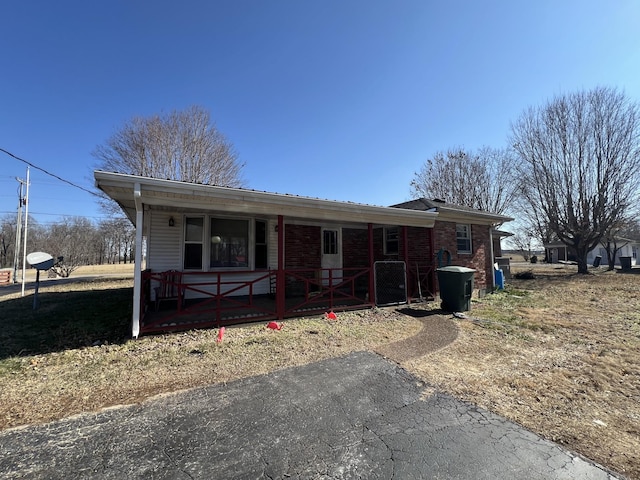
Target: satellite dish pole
(26, 218)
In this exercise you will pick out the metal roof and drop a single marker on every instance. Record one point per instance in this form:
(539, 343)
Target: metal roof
(183, 196)
(452, 212)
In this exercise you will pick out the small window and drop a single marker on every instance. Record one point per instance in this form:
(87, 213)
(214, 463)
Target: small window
(261, 244)
(193, 241)
(330, 242)
(391, 244)
(463, 238)
(229, 243)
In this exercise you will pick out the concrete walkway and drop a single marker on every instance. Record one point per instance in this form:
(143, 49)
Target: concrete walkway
(358, 416)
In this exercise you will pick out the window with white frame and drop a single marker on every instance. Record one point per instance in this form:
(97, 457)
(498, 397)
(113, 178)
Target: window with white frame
(391, 243)
(212, 242)
(193, 242)
(463, 238)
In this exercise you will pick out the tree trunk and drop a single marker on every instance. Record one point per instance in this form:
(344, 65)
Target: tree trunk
(581, 258)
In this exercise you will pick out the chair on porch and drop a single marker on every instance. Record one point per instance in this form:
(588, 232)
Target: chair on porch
(170, 287)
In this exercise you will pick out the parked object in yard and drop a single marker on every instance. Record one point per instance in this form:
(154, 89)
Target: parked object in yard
(456, 287)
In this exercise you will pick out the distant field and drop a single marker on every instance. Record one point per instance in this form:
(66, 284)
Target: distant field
(104, 269)
(115, 269)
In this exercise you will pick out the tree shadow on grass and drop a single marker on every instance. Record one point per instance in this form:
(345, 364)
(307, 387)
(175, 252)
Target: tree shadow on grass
(64, 320)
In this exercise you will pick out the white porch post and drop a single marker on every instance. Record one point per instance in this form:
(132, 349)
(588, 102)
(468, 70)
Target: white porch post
(137, 270)
(493, 273)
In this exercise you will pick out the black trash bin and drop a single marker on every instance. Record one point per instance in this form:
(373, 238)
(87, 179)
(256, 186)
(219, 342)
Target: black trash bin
(625, 263)
(456, 288)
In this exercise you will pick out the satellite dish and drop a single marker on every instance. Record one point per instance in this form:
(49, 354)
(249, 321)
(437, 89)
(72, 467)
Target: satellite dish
(40, 260)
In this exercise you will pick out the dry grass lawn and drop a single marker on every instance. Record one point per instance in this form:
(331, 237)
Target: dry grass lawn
(559, 354)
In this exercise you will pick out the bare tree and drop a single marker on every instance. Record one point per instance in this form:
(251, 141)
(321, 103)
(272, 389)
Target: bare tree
(182, 145)
(7, 240)
(580, 154)
(118, 239)
(523, 240)
(73, 239)
(478, 180)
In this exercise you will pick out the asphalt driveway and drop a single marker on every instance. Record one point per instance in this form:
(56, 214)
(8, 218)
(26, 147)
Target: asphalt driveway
(358, 416)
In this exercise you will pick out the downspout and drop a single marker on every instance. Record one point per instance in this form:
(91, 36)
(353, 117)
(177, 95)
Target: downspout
(432, 247)
(493, 275)
(372, 284)
(137, 269)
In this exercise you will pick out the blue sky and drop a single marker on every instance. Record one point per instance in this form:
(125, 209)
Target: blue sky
(342, 100)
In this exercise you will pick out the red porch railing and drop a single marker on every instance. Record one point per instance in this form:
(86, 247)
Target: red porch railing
(220, 298)
(213, 299)
(207, 299)
(318, 290)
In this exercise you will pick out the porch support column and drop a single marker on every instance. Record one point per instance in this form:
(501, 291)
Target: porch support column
(405, 256)
(280, 283)
(491, 260)
(432, 246)
(137, 268)
(372, 283)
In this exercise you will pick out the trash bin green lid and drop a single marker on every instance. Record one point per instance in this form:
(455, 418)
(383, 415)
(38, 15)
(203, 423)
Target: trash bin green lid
(455, 269)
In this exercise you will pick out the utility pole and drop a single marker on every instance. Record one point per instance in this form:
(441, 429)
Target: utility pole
(16, 248)
(26, 218)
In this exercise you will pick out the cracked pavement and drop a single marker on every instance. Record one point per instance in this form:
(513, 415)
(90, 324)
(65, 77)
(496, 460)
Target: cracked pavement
(358, 416)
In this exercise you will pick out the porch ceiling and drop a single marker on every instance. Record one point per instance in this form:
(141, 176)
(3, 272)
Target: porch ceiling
(181, 195)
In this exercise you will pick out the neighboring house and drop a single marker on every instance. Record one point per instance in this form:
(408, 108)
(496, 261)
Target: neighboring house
(626, 248)
(217, 255)
(557, 252)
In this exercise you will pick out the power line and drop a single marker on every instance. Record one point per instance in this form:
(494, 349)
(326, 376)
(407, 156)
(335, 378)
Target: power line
(48, 173)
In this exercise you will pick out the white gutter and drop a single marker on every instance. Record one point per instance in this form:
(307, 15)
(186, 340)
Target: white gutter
(493, 273)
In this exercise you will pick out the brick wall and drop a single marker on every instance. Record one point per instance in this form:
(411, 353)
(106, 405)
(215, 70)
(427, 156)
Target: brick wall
(418, 240)
(355, 248)
(303, 248)
(302, 244)
(479, 259)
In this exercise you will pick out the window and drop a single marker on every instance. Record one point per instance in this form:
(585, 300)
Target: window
(229, 243)
(391, 241)
(193, 241)
(261, 254)
(330, 242)
(463, 238)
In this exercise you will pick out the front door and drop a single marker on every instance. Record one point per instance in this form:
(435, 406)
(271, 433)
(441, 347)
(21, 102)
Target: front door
(331, 255)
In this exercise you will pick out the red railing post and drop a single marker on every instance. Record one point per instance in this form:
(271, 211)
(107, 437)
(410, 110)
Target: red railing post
(280, 279)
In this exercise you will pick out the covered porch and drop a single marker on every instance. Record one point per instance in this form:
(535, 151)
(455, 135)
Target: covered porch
(199, 300)
(216, 256)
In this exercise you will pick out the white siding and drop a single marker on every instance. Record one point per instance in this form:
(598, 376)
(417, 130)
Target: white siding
(165, 242)
(260, 288)
(273, 244)
(165, 253)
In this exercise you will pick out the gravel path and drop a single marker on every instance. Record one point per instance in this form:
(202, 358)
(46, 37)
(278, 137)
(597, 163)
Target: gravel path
(437, 332)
